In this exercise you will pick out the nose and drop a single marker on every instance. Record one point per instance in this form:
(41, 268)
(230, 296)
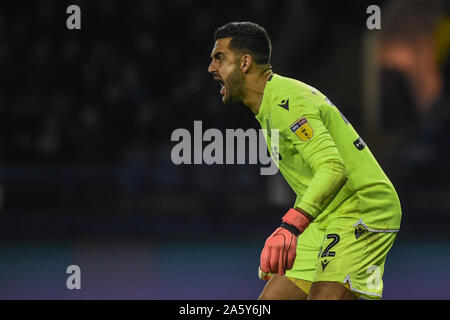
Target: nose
(212, 67)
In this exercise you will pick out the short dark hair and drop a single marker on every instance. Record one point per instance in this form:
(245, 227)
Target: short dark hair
(247, 36)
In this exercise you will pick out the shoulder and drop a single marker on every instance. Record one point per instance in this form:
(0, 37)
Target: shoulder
(291, 99)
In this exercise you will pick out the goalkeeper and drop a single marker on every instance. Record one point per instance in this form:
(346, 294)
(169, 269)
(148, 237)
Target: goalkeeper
(333, 242)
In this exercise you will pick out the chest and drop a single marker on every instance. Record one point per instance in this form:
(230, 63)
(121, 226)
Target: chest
(278, 144)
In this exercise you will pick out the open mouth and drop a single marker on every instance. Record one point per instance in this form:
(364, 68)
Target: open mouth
(222, 85)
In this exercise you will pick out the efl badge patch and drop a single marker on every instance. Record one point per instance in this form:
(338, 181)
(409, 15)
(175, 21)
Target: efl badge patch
(302, 129)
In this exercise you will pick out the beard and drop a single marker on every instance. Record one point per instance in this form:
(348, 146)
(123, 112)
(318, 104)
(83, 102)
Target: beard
(234, 84)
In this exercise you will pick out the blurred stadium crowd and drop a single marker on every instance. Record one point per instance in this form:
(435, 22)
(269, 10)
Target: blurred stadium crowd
(86, 116)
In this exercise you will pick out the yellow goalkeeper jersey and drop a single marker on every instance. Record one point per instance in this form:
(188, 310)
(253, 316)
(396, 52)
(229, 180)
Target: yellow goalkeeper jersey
(323, 159)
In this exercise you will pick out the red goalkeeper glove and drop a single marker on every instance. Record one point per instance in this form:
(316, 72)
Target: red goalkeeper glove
(278, 254)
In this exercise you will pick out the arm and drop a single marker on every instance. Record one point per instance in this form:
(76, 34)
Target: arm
(314, 143)
(322, 156)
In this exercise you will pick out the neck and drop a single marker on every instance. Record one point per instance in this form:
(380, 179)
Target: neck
(254, 89)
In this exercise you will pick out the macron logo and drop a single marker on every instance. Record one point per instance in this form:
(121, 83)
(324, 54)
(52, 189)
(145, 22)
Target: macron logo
(284, 104)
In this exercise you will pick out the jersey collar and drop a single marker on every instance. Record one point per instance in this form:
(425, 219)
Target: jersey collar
(265, 102)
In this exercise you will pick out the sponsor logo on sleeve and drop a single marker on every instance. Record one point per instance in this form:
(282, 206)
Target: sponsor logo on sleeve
(302, 129)
(359, 144)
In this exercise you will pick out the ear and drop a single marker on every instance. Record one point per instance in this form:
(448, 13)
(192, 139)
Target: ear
(246, 63)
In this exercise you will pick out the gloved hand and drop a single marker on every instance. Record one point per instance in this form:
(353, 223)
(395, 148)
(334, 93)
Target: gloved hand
(264, 275)
(278, 254)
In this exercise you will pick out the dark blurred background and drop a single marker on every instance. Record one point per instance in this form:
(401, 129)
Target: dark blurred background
(86, 118)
